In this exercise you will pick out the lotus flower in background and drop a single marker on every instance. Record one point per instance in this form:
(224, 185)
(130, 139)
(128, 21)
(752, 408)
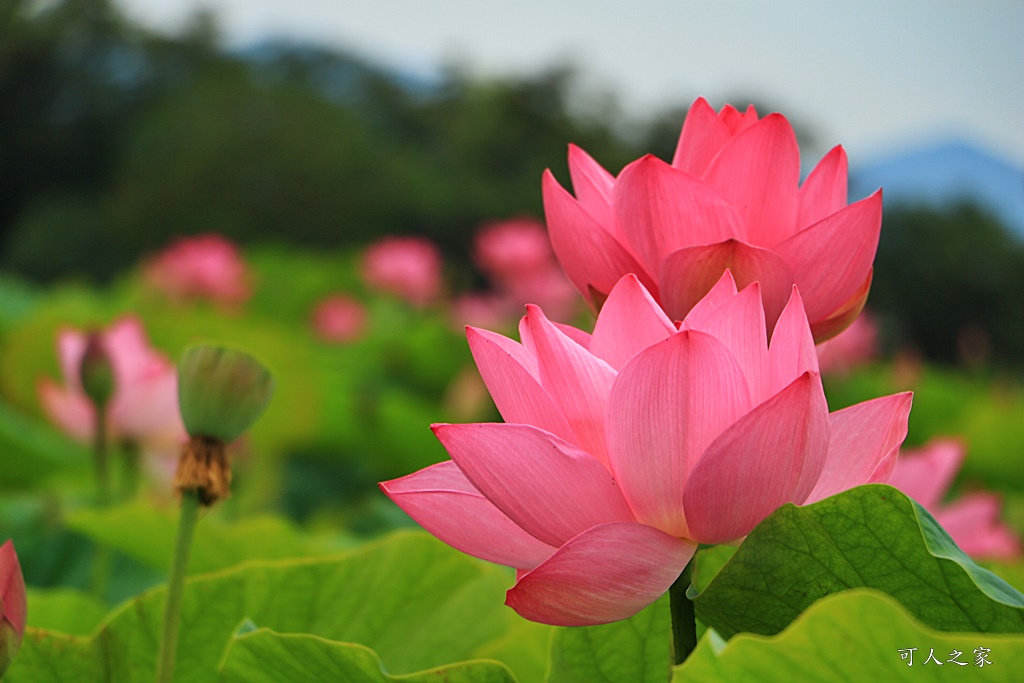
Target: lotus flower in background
(406, 267)
(338, 319)
(144, 404)
(12, 605)
(730, 199)
(925, 474)
(480, 309)
(623, 449)
(203, 267)
(507, 250)
(853, 347)
(516, 256)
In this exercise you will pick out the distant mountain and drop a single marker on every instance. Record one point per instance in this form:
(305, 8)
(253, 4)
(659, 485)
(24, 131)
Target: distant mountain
(946, 173)
(339, 74)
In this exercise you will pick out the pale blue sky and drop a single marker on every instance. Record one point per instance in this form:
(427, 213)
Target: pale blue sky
(873, 75)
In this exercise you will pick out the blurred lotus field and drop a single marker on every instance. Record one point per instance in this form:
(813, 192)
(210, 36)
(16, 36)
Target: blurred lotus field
(350, 261)
(305, 509)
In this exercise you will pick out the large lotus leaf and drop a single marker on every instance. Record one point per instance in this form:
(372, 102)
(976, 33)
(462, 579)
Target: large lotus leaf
(147, 534)
(871, 537)
(264, 656)
(638, 650)
(65, 609)
(416, 602)
(856, 635)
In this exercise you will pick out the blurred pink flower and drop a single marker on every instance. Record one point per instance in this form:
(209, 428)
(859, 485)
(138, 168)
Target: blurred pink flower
(510, 249)
(13, 606)
(731, 198)
(516, 256)
(482, 310)
(853, 347)
(623, 449)
(202, 267)
(925, 474)
(144, 405)
(339, 318)
(547, 288)
(407, 267)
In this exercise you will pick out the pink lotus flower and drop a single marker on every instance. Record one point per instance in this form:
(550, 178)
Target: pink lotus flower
(517, 257)
(925, 475)
(510, 249)
(339, 318)
(623, 449)
(12, 605)
(407, 267)
(203, 267)
(144, 405)
(730, 199)
(853, 347)
(480, 310)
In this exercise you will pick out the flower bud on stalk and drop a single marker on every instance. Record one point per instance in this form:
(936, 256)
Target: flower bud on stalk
(96, 375)
(221, 392)
(12, 605)
(95, 371)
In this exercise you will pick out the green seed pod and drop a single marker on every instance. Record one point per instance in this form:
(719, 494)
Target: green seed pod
(221, 391)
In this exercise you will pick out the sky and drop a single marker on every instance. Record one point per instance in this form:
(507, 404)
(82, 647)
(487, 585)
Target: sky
(877, 76)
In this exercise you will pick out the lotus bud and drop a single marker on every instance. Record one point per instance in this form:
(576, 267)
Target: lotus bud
(12, 605)
(95, 370)
(221, 392)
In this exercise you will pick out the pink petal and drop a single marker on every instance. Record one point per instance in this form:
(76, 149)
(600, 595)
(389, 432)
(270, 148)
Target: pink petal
(758, 172)
(70, 410)
(826, 328)
(831, 258)
(547, 486)
(688, 275)
(739, 324)
(575, 379)
(863, 436)
(513, 379)
(668, 404)
(735, 121)
(605, 574)
(661, 209)
(630, 321)
(129, 350)
(13, 608)
(590, 255)
(577, 335)
(824, 191)
(703, 136)
(771, 456)
(592, 185)
(791, 352)
(443, 502)
(148, 408)
(724, 290)
(925, 474)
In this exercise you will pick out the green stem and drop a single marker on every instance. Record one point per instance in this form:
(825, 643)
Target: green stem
(101, 457)
(176, 587)
(130, 484)
(684, 621)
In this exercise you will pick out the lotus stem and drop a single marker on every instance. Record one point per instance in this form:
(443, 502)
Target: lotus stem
(684, 620)
(101, 459)
(176, 587)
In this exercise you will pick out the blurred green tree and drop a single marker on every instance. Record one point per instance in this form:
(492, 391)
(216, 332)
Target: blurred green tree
(950, 284)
